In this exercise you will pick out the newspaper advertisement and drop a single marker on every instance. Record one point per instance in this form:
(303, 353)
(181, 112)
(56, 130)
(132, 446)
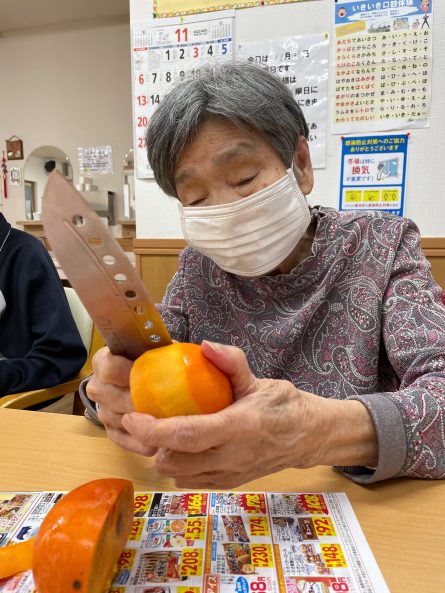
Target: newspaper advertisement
(222, 542)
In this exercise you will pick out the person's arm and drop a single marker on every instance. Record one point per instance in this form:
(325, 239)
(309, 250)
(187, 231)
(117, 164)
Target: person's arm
(39, 338)
(409, 422)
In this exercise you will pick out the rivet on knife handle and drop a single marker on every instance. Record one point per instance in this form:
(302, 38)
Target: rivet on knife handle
(100, 272)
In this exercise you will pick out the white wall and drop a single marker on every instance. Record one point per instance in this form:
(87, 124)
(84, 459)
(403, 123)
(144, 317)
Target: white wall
(34, 170)
(66, 89)
(156, 215)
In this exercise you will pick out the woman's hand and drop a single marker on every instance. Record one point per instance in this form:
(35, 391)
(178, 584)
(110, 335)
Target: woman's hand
(270, 426)
(109, 387)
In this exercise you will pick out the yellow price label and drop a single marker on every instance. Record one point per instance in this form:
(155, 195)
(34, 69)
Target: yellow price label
(188, 590)
(261, 555)
(195, 528)
(136, 529)
(333, 555)
(323, 526)
(353, 195)
(258, 526)
(142, 503)
(126, 559)
(191, 562)
(371, 195)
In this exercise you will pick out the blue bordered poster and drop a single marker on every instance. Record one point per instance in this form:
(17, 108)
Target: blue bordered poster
(383, 51)
(373, 173)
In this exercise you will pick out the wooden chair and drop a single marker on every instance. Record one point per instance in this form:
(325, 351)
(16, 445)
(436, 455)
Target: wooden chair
(92, 341)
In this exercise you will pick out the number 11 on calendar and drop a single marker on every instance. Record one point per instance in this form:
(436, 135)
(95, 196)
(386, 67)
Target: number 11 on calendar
(165, 55)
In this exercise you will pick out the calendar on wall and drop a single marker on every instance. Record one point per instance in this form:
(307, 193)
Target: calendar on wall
(163, 56)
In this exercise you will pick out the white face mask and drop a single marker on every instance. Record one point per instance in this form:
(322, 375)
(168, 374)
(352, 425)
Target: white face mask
(251, 236)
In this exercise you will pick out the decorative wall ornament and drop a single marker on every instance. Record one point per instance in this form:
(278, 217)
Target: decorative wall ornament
(4, 175)
(15, 176)
(14, 149)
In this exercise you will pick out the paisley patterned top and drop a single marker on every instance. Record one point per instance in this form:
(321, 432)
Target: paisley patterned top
(360, 318)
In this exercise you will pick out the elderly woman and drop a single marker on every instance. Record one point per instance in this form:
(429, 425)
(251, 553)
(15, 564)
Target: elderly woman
(329, 324)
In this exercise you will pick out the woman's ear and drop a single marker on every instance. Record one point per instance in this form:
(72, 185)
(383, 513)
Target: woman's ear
(303, 165)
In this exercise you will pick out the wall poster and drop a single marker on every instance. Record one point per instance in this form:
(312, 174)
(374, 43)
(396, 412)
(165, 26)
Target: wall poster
(373, 173)
(168, 8)
(95, 160)
(302, 63)
(163, 56)
(383, 65)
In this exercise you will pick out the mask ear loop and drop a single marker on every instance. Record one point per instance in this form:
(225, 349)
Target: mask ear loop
(297, 172)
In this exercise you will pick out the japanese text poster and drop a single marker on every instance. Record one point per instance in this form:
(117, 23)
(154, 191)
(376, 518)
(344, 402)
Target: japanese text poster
(302, 63)
(95, 160)
(373, 172)
(383, 65)
(163, 56)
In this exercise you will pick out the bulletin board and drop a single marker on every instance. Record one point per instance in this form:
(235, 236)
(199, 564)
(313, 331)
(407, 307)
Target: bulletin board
(157, 214)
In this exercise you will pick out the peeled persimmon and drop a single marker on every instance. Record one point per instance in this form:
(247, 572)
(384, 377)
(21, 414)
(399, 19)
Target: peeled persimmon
(178, 380)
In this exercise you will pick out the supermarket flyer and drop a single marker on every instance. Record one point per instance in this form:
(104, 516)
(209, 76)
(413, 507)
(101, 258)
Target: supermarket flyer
(222, 542)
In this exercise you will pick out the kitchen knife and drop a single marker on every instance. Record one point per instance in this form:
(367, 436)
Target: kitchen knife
(100, 272)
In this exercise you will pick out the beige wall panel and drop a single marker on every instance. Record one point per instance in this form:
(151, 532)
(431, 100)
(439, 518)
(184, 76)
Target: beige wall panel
(157, 261)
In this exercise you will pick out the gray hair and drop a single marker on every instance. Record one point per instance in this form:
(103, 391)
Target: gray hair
(240, 92)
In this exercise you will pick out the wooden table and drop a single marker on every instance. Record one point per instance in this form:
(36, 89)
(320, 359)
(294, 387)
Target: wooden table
(403, 520)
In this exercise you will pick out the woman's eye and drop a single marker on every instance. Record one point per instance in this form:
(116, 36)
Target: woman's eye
(246, 180)
(196, 202)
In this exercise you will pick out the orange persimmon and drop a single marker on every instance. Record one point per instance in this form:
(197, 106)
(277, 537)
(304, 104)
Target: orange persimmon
(16, 558)
(178, 380)
(81, 538)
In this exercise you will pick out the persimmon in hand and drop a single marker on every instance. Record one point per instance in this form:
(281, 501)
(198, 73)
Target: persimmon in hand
(178, 380)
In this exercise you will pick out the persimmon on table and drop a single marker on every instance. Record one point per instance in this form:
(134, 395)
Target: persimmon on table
(79, 541)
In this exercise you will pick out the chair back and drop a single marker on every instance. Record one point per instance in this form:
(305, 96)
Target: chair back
(81, 317)
(92, 340)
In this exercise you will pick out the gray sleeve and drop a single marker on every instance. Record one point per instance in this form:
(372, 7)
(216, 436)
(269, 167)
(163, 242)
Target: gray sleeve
(391, 440)
(90, 406)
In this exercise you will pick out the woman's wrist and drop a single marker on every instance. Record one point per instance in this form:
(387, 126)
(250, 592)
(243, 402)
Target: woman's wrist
(344, 432)
(351, 435)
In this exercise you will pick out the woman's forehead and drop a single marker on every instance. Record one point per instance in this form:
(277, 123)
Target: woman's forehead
(236, 153)
(219, 142)
(220, 131)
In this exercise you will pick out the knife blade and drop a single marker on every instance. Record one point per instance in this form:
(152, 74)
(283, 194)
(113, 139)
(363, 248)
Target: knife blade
(100, 272)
